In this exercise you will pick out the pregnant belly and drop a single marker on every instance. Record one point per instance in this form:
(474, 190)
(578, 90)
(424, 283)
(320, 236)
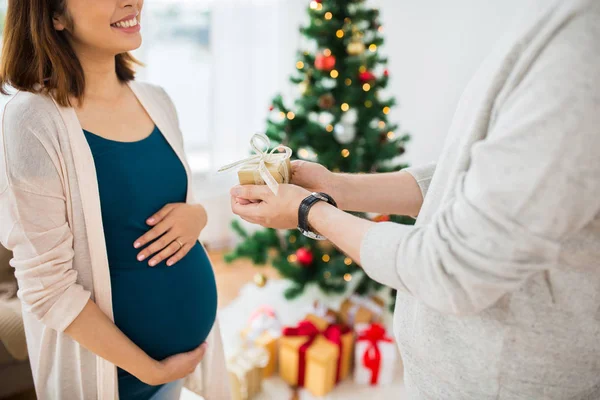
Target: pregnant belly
(166, 310)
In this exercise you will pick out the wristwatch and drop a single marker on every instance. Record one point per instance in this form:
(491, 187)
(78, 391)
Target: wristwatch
(305, 207)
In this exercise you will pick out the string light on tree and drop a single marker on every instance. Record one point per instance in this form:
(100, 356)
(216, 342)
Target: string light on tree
(348, 261)
(300, 65)
(373, 48)
(345, 107)
(347, 277)
(366, 87)
(328, 15)
(339, 33)
(334, 74)
(386, 110)
(391, 135)
(326, 258)
(345, 153)
(291, 115)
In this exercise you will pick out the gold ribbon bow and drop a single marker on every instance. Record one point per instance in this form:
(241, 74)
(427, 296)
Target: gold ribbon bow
(263, 157)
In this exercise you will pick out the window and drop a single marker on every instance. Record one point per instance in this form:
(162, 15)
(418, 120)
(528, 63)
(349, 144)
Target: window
(177, 54)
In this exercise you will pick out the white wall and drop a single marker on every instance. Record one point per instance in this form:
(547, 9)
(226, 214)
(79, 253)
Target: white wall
(434, 47)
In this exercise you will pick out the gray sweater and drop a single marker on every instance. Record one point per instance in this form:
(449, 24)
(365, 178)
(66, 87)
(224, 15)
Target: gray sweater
(499, 280)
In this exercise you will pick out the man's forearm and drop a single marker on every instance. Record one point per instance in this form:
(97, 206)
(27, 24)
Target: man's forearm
(97, 333)
(344, 230)
(388, 193)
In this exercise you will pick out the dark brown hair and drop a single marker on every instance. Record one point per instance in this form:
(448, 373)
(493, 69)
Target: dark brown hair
(34, 53)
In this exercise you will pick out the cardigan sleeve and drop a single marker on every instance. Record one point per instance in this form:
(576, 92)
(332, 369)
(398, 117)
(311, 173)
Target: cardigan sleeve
(532, 184)
(33, 221)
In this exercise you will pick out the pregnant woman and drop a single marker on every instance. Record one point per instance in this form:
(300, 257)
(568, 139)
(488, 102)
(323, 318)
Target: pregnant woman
(118, 294)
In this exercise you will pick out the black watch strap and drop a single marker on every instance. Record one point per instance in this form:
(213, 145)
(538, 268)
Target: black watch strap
(304, 209)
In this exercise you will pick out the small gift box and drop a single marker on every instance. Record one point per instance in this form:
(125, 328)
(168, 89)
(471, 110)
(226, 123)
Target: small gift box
(320, 310)
(265, 167)
(245, 372)
(264, 330)
(361, 310)
(376, 356)
(315, 354)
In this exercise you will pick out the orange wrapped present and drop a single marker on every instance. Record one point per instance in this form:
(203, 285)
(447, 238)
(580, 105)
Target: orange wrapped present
(315, 354)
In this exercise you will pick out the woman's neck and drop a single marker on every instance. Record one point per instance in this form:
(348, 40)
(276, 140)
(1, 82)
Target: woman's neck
(101, 81)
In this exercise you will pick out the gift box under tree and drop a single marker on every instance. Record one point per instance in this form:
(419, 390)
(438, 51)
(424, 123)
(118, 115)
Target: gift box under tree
(245, 372)
(361, 310)
(264, 330)
(376, 356)
(315, 354)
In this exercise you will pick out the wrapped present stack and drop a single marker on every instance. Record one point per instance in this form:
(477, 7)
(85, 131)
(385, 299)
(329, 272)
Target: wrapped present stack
(245, 372)
(264, 331)
(361, 310)
(315, 354)
(376, 356)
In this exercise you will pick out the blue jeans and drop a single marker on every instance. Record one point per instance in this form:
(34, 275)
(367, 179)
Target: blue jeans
(169, 391)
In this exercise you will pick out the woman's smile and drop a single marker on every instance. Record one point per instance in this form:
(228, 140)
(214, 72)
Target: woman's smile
(129, 24)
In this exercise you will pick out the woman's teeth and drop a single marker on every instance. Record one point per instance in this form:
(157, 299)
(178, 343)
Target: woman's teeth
(126, 24)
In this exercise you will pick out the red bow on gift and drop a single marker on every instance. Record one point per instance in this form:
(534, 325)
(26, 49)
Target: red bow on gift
(333, 333)
(372, 358)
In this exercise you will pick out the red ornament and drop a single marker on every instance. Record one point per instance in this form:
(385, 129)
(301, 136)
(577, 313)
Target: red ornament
(382, 218)
(271, 108)
(324, 63)
(319, 1)
(366, 76)
(386, 73)
(304, 256)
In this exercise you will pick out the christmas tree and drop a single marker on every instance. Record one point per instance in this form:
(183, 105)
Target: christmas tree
(340, 120)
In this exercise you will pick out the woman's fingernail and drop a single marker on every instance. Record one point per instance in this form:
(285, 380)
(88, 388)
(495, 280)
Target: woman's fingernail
(150, 220)
(152, 263)
(169, 263)
(137, 244)
(141, 257)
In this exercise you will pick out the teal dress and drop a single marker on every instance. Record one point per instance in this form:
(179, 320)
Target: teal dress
(164, 310)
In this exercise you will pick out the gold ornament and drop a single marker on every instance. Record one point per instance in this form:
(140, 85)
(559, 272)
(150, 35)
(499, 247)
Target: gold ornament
(303, 87)
(260, 280)
(356, 47)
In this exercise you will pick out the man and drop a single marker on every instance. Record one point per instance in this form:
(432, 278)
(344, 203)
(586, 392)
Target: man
(499, 280)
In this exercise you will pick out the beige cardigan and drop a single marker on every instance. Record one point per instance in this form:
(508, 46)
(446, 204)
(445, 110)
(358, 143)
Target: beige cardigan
(50, 218)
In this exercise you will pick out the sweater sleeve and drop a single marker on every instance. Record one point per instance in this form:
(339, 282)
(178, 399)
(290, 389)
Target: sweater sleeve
(33, 222)
(531, 184)
(423, 175)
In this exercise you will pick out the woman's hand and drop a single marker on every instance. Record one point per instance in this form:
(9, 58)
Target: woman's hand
(258, 205)
(173, 368)
(177, 227)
